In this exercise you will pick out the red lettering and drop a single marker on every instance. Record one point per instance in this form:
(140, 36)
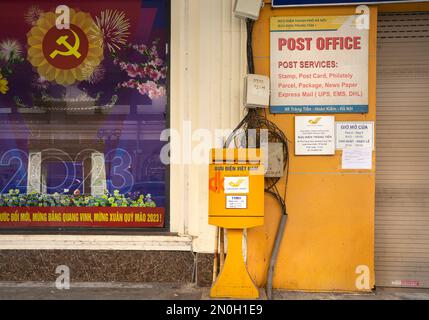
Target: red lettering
(320, 44)
(282, 43)
(338, 43)
(356, 43)
(293, 44)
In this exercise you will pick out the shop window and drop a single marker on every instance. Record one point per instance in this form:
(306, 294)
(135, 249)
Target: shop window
(83, 102)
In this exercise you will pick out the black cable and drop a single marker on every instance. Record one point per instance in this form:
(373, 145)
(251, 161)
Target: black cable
(250, 59)
(255, 121)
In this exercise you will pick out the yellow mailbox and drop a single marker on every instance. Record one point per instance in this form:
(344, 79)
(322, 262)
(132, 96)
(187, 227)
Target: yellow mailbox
(236, 202)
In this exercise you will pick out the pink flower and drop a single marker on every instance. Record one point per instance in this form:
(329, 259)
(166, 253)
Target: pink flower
(155, 75)
(132, 83)
(150, 89)
(140, 48)
(162, 91)
(164, 72)
(153, 52)
(158, 62)
(123, 65)
(129, 84)
(142, 89)
(132, 70)
(147, 74)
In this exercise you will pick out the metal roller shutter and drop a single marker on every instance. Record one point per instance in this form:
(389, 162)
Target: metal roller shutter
(402, 187)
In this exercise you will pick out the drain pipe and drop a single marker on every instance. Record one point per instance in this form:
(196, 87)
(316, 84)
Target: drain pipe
(274, 254)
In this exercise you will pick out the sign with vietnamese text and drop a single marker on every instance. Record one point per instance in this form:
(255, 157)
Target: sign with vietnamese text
(73, 217)
(354, 135)
(319, 64)
(236, 202)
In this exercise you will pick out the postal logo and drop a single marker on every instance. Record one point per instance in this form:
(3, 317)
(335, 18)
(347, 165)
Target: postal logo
(315, 121)
(237, 183)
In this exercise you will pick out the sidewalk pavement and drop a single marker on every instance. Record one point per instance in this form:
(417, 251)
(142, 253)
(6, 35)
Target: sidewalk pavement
(170, 291)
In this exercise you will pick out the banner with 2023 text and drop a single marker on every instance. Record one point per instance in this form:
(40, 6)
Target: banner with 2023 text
(319, 64)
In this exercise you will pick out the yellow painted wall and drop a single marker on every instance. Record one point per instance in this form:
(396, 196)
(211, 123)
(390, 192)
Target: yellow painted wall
(330, 228)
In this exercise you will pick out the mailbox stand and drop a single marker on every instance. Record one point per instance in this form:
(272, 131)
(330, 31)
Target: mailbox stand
(236, 202)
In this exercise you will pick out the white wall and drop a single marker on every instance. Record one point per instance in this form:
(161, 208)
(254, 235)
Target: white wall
(207, 70)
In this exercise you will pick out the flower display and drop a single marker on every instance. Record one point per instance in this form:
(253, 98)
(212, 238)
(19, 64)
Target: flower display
(78, 54)
(10, 55)
(61, 55)
(16, 199)
(64, 69)
(4, 88)
(148, 76)
(114, 27)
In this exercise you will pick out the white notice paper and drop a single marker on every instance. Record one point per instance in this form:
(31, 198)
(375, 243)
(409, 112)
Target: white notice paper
(354, 135)
(314, 135)
(236, 202)
(357, 158)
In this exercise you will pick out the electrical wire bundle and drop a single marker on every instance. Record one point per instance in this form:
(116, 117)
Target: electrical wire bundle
(251, 127)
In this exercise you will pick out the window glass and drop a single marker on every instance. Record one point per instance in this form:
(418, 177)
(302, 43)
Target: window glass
(83, 102)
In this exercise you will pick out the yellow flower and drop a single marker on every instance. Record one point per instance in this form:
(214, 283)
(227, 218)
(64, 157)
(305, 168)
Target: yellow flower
(3, 85)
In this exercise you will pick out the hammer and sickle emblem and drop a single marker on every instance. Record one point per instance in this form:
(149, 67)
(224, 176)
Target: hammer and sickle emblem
(72, 50)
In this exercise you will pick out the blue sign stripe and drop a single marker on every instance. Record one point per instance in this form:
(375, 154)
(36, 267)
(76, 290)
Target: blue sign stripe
(306, 30)
(320, 109)
(285, 3)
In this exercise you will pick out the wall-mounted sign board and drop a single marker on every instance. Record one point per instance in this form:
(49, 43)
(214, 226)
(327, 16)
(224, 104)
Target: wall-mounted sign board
(300, 3)
(319, 64)
(354, 135)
